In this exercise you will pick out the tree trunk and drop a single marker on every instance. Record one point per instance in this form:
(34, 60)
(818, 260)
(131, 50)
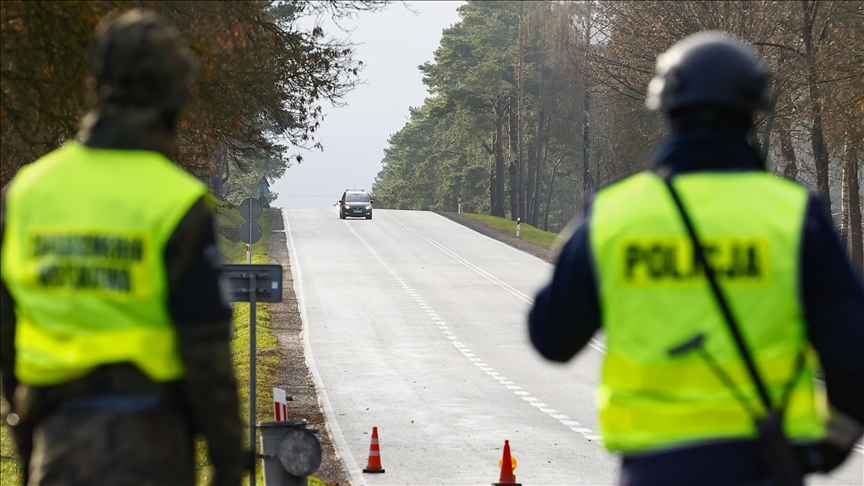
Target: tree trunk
(222, 167)
(538, 165)
(498, 206)
(852, 203)
(227, 165)
(530, 172)
(790, 163)
(549, 196)
(820, 152)
(844, 206)
(586, 148)
(514, 189)
(493, 189)
(514, 163)
(587, 186)
(521, 116)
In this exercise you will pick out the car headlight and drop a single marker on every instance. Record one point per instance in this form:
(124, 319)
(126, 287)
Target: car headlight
(368, 206)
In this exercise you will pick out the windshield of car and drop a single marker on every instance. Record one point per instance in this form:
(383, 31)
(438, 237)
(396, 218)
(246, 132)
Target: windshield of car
(349, 197)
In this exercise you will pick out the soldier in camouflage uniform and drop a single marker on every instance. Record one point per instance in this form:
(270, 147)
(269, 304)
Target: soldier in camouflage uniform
(116, 425)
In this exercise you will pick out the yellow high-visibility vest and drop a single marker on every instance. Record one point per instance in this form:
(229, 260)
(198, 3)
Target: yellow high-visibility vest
(83, 257)
(654, 297)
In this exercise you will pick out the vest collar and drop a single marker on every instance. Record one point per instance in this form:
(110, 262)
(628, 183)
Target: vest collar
(698, 150)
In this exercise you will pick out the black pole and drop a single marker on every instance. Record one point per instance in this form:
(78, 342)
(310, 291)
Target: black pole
(253, 285)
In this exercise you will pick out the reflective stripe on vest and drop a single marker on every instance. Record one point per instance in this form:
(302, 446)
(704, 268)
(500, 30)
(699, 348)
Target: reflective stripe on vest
(654, 297)
(83, 257)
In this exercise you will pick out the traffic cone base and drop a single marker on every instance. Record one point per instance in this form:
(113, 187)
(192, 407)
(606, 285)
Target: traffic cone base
(374, 464)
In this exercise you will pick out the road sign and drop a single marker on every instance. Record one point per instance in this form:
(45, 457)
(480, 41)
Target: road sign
(251, 209)
(263, 187)
(299, 452)
(267, 287)
(250, 231)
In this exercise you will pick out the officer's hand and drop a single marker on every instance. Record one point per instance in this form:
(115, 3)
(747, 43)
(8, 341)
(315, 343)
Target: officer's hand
(842, 432)
(221, 478)
(232, 475)
(832, 456)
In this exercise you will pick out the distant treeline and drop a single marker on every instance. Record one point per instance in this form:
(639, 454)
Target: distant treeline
(584, 69)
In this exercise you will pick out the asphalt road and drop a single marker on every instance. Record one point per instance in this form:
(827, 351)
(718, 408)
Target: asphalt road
(416, 325)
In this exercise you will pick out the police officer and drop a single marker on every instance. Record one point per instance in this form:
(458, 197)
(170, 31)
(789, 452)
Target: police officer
(677, 398)
(115, 336)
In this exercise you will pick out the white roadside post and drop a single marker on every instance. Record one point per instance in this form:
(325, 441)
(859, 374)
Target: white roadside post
(460, 206)
(518, 225)
(280, 405)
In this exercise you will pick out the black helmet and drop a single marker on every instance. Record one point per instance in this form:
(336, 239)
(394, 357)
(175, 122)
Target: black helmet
(139, 60)
(709, 69)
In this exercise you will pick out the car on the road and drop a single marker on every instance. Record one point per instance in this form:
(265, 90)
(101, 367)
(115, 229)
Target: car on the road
(355, 204)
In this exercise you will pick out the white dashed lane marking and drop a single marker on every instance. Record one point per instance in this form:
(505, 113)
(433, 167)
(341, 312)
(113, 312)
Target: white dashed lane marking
(593, 343)
(517, 390)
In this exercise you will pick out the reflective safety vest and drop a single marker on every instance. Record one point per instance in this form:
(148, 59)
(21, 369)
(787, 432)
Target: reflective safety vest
(83, 257)
(654, 298)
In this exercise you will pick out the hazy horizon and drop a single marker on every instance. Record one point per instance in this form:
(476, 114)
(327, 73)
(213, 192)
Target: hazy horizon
(391, 44)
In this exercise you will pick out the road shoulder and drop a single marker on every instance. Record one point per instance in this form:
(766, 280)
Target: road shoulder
(293, 374)
(536, 250)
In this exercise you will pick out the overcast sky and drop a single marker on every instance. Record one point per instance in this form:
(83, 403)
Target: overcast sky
(391, 43)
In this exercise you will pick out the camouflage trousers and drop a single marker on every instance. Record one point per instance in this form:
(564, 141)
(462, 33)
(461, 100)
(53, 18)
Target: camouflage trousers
(78, 445)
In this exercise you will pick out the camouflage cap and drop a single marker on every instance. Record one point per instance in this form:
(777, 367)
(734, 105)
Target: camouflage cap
(138, 59)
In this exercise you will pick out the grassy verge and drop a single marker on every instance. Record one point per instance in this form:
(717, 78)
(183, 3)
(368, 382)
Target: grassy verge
(10, 467)
(527, 232)
(234, 251)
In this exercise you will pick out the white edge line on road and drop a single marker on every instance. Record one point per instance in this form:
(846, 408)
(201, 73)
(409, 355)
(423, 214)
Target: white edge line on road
(583, 431)
(593, 343)
(333, 429)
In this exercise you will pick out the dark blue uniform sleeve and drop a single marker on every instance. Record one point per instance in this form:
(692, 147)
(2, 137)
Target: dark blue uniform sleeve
(566, 312)
(833, 299)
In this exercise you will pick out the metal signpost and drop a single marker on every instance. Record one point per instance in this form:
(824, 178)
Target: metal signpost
(253, 284)
(250, 231)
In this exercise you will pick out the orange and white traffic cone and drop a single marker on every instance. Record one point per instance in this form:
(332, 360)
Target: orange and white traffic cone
(508, 464)
(374, 464)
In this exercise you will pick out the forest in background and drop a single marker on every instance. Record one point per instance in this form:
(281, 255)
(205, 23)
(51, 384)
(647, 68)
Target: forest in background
(577, 73)
(256, 100)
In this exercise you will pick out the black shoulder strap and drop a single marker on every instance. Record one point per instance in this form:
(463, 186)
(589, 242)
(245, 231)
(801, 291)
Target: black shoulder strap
(718, 294)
